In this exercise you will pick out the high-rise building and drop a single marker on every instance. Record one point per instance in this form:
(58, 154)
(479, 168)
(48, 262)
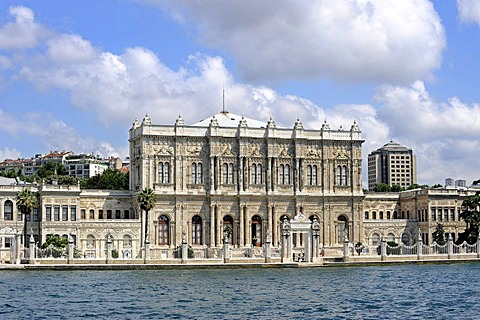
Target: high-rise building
(392, 164)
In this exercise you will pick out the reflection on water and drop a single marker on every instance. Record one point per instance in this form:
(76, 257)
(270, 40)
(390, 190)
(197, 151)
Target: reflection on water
(393, 292)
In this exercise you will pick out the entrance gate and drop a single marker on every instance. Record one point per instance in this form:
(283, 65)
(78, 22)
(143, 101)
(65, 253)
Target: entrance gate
(305, 247)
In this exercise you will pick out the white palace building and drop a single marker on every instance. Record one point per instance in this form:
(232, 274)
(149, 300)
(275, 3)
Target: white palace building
(237, 175)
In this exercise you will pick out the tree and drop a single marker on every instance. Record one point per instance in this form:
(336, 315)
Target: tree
(437, 185)
(54, 241)
(471, 215)
(476, 182)
(26, 201)
(381, 187)
(439, 235)
(110, 179)
(146, 199)
(51, 168)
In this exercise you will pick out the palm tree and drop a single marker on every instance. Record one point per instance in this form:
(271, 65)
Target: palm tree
(26, 201)
(471, 216)
(146, 199)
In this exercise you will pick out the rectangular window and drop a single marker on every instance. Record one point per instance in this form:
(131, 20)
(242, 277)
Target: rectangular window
(100, 214)
(8, 242)
(83, 214)
(109, 214)
(35, 214)
(91, 214)
(64, 213)
(73, 213)
(48, 213)
(56, 213)
(117, 214)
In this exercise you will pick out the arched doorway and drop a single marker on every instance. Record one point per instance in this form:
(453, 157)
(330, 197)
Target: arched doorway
(163, 230)
(256, 231)
(196, 230)
(342, 228)
(228, 227)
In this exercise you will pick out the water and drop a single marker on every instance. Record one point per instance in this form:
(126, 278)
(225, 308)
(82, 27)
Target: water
(390, 292)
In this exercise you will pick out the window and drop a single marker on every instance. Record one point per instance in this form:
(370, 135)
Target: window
(127, 241)
(91, 214)
(284, 174)
(48, 213)
(118, 214)
(8, 209)
(405, 239)
(100, 214)
(109, 214)
(381, 215)
(197, 230)
(56, 213)
(197, 173)
(64, 213)
(73, 213)
(366, 215)
(390, 237)
(90, 242)
(341, 175)
(227, 173)
(388, 215)
(256, 173)
(228, 226)
(83, 214)
(35, 214)
(163, 172)
(375, 239)
(374, 215)
(163, 229)
(126, 214)
(312, 175)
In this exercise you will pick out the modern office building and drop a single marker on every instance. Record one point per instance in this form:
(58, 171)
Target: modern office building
(392, 164)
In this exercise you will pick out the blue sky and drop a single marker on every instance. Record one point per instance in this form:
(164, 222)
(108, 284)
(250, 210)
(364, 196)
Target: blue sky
(75, 74)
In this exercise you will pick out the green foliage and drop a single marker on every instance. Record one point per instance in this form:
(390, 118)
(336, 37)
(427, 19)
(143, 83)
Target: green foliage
(476, 182)
(359, 247)
(146, 199)
(115, 254)
(438, 185)
(471, 215)
(417, 186)
(51, 168)
(178, 252)
(26, 201)
(383, 187)
(439, 235)
(11, 173)
(110, 179)
(54, 241)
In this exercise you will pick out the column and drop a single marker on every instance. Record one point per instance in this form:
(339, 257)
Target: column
(383, 249)
(267, 173)
(242, 226)
(212, 174)
(450, 246)
(31, 250)
(240, 174)
(419, 246)
(226, 248)
(70, 250)
(212, 226)
(184, 248)
(218, 232)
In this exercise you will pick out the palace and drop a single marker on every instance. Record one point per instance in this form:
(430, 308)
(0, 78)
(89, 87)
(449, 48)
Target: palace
(228, 173)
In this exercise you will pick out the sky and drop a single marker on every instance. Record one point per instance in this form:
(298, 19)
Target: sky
(74, 75)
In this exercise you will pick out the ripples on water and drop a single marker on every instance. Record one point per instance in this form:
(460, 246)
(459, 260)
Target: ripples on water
(390, 292)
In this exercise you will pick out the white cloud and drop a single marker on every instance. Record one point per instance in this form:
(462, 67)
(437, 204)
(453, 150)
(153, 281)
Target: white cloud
(374, 40)
(443, 135)
(469, 11)
(9, 153)
(70, 48)
(23, 33)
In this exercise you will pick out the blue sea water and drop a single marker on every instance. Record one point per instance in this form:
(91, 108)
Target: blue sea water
(449, 291)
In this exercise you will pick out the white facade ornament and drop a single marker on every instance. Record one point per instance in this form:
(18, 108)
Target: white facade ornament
(243, 123)
(299, 217)
(135, 124)
(325, 125)
(298, 124)
(147, 120)
(180, 121)
(214, 122)
(355, 126)
(271, 123)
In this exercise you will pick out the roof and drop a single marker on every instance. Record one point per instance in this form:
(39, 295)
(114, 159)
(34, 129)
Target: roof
(227, 119)
(393, 146)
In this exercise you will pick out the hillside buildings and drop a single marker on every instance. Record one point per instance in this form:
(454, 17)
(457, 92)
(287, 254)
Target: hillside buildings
(247, 177)
(392, 164)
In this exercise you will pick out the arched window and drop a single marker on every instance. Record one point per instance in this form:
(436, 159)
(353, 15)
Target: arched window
(341, 175)
(281, 174)
(309, 174)
(256, 231)
(127, 241)
(287, 174)
(227, 173)
(390, 237)
(381, 215)
(90, 242)
(375, 239)
(374, 215)
(163, 172)
(406, 239)
(126, 214)
(388, 215)
(312, 175)
(197, 174)
(256, 174)
(197, 230)
(366, 215)
(163, 230)
(8, 210)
